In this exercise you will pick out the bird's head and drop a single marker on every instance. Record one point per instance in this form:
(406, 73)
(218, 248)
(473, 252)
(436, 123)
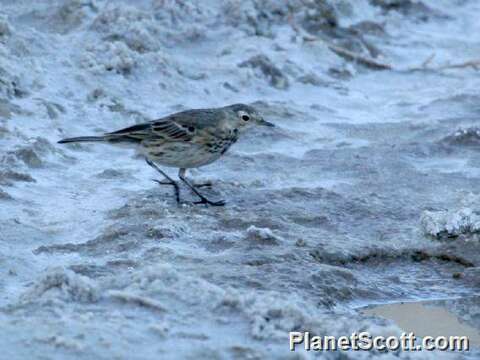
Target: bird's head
(246, 116)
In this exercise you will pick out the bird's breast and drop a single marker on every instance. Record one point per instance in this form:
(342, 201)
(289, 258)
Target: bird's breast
(201, 150)
(222, 143)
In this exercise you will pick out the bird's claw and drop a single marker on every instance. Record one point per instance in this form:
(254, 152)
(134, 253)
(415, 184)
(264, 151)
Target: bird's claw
(203, 200)
(206, 184)
(171, 183)
(164, 182)
(208, 202)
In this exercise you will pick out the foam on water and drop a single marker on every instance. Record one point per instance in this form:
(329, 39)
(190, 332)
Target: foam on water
(343, 204)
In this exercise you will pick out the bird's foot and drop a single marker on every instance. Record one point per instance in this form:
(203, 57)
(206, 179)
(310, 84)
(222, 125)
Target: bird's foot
(205, 201)
(207, 184)
(175, 187)
(165, 182)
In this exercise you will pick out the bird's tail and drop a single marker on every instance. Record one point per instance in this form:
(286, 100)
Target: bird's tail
(83, 139)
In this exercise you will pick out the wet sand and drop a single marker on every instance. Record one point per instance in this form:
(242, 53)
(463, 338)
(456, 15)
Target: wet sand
(365, 192)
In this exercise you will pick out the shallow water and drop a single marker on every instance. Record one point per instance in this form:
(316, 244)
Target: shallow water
(366, 191)
(432, 318)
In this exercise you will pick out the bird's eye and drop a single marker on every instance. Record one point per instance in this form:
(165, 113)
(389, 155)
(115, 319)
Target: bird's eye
(245, 117)
(189, 128)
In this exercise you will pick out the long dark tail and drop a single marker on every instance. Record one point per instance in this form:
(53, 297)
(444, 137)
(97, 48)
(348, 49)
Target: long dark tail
(83, 139)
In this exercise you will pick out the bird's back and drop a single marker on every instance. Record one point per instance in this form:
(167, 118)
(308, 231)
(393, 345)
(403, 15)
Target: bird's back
(200, 118)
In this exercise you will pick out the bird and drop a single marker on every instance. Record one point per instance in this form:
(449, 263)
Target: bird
(185, 140)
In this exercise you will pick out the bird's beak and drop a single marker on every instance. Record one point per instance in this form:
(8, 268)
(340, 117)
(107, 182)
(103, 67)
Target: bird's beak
(265, 123)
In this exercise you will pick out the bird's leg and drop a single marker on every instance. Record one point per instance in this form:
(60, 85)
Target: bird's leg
(203, 199)
(197, 185)
(168, 181)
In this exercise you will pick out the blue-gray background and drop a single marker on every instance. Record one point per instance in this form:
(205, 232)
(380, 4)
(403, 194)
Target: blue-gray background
(336, 208)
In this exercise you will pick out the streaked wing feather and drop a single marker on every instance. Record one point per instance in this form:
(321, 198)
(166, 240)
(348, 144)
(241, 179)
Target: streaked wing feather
(165, 128)
(172, 130)
(135, 133)
(131, 129)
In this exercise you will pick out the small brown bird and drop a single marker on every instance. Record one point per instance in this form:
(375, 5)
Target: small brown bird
(185, 140)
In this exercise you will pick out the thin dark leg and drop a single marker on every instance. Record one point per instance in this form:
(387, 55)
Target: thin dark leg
(203, 199)
(169, 181)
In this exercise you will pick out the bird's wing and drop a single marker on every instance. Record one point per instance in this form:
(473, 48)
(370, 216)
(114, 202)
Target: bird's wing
(173, 129)
(166, 128)
(182, 126)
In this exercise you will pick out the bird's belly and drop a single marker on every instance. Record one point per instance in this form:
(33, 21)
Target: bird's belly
(181, 155)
